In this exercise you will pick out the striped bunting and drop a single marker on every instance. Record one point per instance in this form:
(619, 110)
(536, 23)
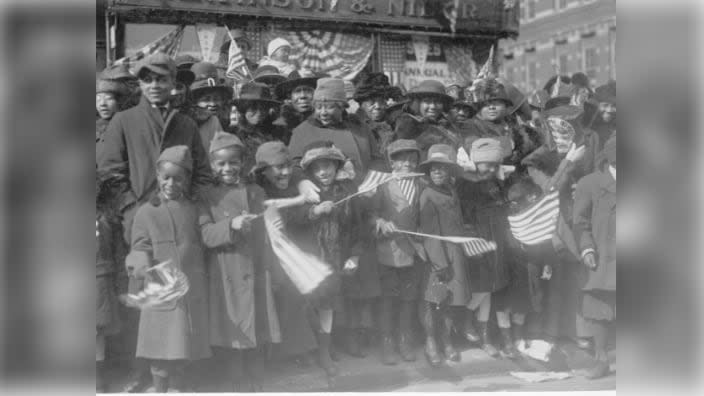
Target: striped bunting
(169, 44)
(305, 270)
(538, 222)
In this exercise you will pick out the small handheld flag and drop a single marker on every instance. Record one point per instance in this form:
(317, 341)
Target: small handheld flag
(538, 222)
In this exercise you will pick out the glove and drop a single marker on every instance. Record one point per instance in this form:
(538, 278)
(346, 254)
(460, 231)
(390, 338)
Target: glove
(351, 265)
(590, 261)
(575, 154)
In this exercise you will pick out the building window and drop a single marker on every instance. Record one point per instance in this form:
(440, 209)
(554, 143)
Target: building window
(591, 61)
(530, 4)
(561, 4)
(531, 76)
(563, 64)
(523, 12)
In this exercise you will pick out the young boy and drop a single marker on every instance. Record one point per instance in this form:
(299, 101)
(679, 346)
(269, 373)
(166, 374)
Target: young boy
(444, 282)
(166, 228)
(396, 207)
(242, 315)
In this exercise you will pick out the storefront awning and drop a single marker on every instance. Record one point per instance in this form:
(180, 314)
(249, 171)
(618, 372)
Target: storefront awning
(486, 17)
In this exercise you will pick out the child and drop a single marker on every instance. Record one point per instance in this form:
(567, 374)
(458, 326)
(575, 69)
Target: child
(445, 282)
(485, 209)
(166, 228)
(332, 233)
(106, 259)
(594, 220)
(242, 315)
(401, 268)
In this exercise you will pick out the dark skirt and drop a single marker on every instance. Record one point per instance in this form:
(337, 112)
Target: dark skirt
(524, 294)
(107, 319)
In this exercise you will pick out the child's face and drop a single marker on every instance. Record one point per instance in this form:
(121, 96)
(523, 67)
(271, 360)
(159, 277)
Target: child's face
(440, 174)
(404, 162)
(493, 110)
(172, 180)
(278, 175)
(227, 165)
(106, 104)
(281, 54)
(324, 171)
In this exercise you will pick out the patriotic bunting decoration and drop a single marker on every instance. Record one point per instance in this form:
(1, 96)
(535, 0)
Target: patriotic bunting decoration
(538, 222)
(169, 44)
(168, 284)
(305, 270)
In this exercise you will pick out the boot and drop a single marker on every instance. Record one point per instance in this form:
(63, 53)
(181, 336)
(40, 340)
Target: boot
(100, 382)
(519, 339)
(486, 341)
(445, 333)
(405, 347)
(405, 340)
(161, 384)
(352, 344)
(324, 355)
(388, 354)
(509, 350)
(137, 379)
(431, 348)
(469, 332)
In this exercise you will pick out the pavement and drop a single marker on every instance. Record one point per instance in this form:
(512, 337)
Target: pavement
(476, 372)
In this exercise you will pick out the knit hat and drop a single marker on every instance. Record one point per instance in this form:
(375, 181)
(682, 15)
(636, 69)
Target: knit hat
(111, 86)
(275, 44)
(330, 90)
(486, 150)
(401, 145)
(179, 155)
(321, 150)
(159, 63)
(223, 140)
(442, 154)
(270, 154)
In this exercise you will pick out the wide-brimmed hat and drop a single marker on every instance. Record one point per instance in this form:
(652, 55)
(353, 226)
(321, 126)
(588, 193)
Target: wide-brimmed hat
(270, 154)
(373, 85)
(268, 75)
(330, 89)
(491, 89)
(321, 150)
(605, 93)
(207, 78)
(430, 88)
(440, 154)
(254, 92)
(111, 86)
(184, 74)
(236, 34)
(401, 145)
(295, 79)
(159, 63)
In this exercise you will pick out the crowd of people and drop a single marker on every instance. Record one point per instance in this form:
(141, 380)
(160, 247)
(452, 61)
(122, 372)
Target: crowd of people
(185, 168)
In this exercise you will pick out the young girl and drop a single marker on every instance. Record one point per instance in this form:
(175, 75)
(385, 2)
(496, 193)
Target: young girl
(109, 239)
(242, 314)
(445, 281)
(166, 228)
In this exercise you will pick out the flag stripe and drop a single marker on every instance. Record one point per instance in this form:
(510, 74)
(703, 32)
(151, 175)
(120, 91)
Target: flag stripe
(517, 219)
(538, 222)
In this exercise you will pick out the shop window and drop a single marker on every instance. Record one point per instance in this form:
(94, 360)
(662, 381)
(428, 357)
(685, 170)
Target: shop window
(591, 62)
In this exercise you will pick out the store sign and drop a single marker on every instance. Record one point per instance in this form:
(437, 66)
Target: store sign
(414, 73)
(472, 14)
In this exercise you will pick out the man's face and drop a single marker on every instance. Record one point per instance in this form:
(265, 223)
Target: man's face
(302, 99)
(462, 113)
(404, 162)
(439, 174)
(563, 141)
(493, 110)
(178, 94)
(431, 107)
(156, 87)
(487, 170)
(375, 108)
(106, 104)
(607, 111)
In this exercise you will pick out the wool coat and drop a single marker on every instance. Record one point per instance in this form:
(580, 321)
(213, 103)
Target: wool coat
(242, 309)
(381, 130)
(253, 136)
(427, 132)
(168, 230)
(207, 130)
(477, 128)
(441, 214)
(133, 142)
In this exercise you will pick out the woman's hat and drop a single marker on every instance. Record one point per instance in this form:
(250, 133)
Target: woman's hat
(486, 150)
(330, 89)
(491, 89)
(440, 154)
(294, 80)
(431, 88)
(605, 93)
(111, 86)
(207, 78)
(223, 140)
(254, 92)
(373, 85)
(401, 145)
(321, 150)
(561, 94)
(268, 75)
(275, 44)
(270, 154)
(179, 155)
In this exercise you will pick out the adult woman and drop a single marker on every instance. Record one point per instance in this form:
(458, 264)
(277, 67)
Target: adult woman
(424, 119)
(372, 94)
(110, 97)
(493, 105)
(297, 91)
(208, 98)
(255, 104)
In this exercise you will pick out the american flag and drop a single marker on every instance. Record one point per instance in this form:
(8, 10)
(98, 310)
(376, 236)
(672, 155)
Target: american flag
(538, 222)
(373, 180)
(169, 44)
(488, 68)
(236, 64)
(478, 246)
(305, 270)
(408, 188)
(168, 284)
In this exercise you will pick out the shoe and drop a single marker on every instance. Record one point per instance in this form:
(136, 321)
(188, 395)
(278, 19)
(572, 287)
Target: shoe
(388, 354)
(161, 384)
(584, 343)
(449, 350)
(405, 348)
(352, 344)
(509, 350)
(324, 358)
(469, 332)
(137, 381)
(486, 341)
(599, 370)
(431, 352)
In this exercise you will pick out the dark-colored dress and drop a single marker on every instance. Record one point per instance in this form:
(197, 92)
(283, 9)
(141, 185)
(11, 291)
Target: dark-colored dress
(107, 320)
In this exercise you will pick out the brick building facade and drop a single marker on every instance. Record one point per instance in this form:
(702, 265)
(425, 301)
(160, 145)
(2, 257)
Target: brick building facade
(577, 35)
